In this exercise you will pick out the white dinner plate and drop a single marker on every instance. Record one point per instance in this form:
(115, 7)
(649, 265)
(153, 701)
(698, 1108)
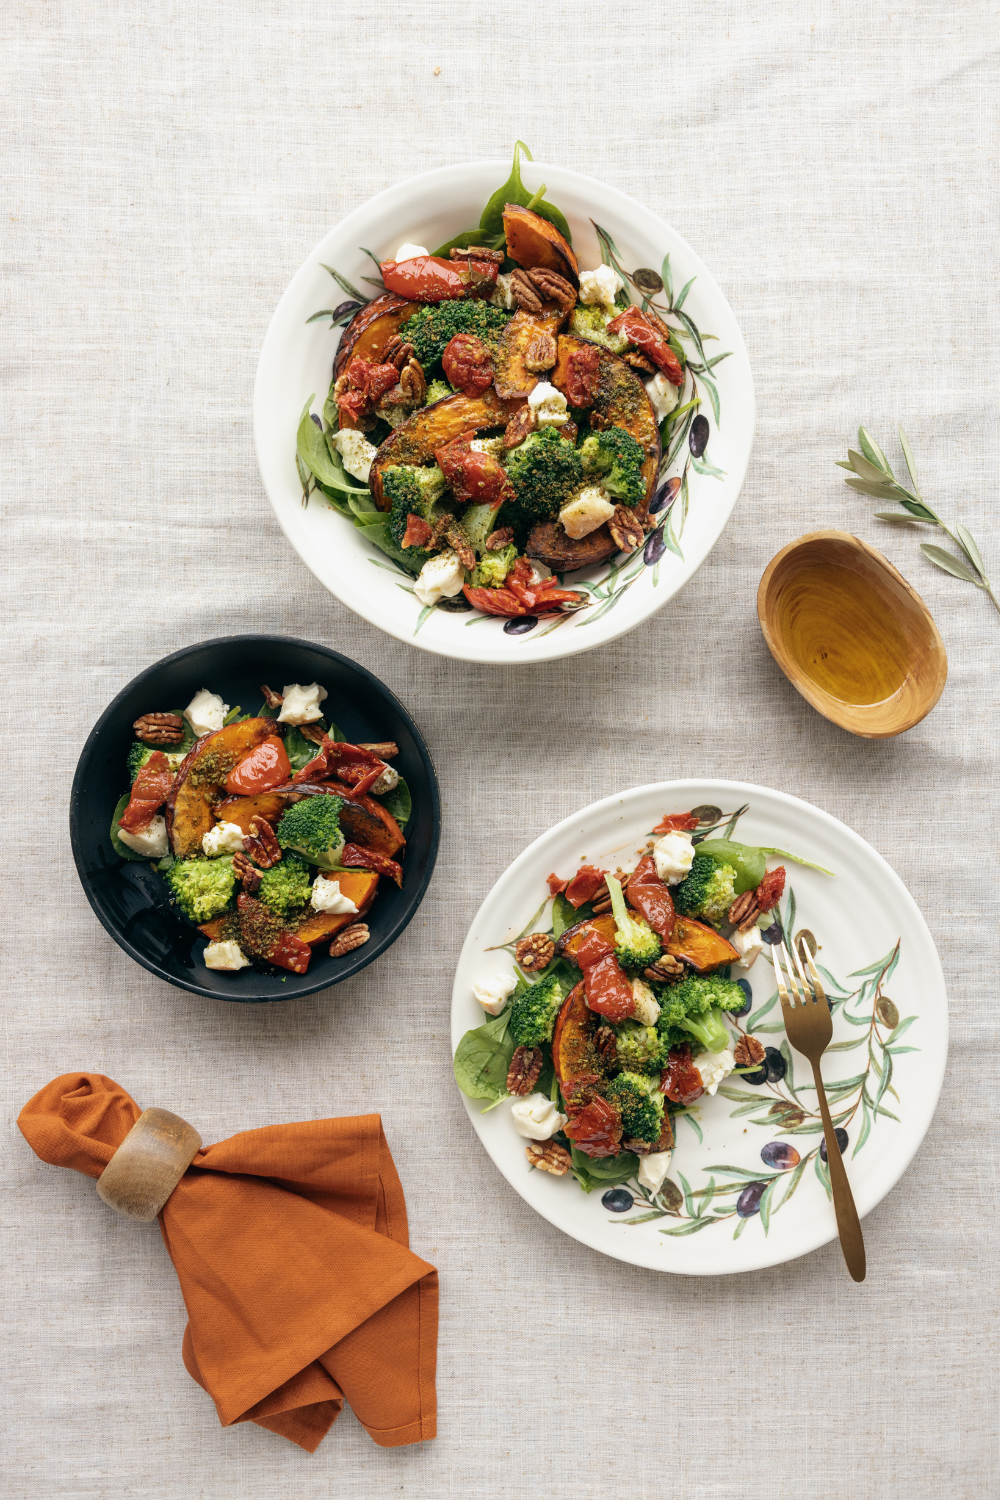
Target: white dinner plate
(297, 358)
(866, 924)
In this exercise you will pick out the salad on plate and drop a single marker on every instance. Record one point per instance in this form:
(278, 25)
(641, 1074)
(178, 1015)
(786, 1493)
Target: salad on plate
(270, 831)
(617, 1019)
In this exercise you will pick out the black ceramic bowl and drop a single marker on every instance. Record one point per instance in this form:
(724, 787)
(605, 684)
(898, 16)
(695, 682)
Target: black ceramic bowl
(133, 901)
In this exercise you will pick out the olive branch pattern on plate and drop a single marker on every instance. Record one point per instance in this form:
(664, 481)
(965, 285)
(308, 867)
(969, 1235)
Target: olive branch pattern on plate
(684, 430)
(739, 1193)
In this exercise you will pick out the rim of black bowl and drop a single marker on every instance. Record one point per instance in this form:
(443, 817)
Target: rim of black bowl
(353, 962)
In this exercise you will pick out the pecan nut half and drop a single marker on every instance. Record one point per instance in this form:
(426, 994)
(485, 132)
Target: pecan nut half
(502, 537)
(477, 252)
(540, 354)
(401, 352)
(639, 362)
(349, 938)
(637, 1147)
(262, 844)
(535, 952)
(523, 292)
(249, 877)
(626, 529)
(412, 380)
(745, 910)
(271, 698)
(159, 729)
(553, 287)
(748, 1051)
(666, 970)
(607, 1046)
(548, 1156)
(520, 424)
(525, 1066)
(311, 732)
(459, 542)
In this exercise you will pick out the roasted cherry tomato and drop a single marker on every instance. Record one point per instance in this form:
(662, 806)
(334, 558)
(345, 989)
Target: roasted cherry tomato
(651, 898)
(673, 821)
(591, 947)
(264, 767)
(353, 857)
(609, 991)
(584, 885)
(639, 328)
(418, 532)
(771, 888)
(150, 789)
(681, 1080)
(495, 602)
(580, 381)
(468, 364)
(474, 477)
(597, 1129)
(363, 385)
(426, 278)
(538, 596)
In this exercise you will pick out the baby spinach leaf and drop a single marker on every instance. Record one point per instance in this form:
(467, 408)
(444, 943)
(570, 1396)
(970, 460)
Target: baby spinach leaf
(563, 915)
(399, 803)
(331, 411)
(378, 534)
(471, 237)
(602, 1171)
(299, 750)
(122, 849)
(514, 191)
(315, 453)
(483, 1058)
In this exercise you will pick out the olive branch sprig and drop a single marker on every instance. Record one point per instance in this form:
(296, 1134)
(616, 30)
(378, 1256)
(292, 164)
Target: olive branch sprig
(871, 474)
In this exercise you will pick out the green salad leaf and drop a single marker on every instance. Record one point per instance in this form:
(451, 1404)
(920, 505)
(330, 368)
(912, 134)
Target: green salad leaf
(483, 1058)
(514, 191)
(602, 1171)
(749, 860)
(399, 803)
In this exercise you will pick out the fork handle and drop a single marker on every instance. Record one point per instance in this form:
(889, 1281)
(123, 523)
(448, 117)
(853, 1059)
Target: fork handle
(848, 1225)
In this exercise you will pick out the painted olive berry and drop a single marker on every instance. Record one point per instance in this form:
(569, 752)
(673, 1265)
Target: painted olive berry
(781, 1155)
(744, 985)
(774, 1065)
(748, 1203)
(664, 496)
(654, 549)
(455, 606)
(755, 1078)
(842, 1139)
(773, 934)
(698, 436)
(521, 625)
(617, 1200)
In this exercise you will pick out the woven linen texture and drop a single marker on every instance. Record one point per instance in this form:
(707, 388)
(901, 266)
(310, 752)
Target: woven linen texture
(167, 167)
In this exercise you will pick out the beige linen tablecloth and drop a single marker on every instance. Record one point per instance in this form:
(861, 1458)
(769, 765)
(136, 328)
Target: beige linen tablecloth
(166, 169)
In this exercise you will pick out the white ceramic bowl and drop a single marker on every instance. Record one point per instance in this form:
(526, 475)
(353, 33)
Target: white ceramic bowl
(297, 359)
(858, 918)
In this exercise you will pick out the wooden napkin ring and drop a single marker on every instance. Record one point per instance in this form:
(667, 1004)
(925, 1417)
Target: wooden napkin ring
(148, 1164)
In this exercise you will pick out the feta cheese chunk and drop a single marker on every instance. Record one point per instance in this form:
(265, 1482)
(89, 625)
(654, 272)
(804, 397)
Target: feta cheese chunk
(492, 445)
(327, 896)
(663, 395)
(673, 856)
(549, 405)
(355, 450)
(647, 1007)
(225, 956)
(502, 296)
(410, 252)
(600, 287)
(536, 1117)
(653, 1169)
(388, 782)
(494, 992)
(206, 712)
(151, 840)
(586, 511)
(747, 944)
(302, 704)
(714, 1067)
(441, 577)
(224, 838)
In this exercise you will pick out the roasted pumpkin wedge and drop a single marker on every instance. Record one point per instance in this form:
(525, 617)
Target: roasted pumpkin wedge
(202, 776)
(358, 886)
(533, 241)
(572, 940)
(368, 332)
(701, 946)
(513, 378)
(573, 1052)
(415, 441)
(364, 822)
(240, 810)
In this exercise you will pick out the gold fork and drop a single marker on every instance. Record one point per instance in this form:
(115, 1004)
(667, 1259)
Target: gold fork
(809, 1027)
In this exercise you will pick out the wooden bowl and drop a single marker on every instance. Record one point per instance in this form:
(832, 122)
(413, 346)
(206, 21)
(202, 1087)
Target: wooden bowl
(851, 635)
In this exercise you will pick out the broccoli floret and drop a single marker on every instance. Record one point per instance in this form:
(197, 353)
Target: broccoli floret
(202, 887)
(437, 390)
(533, 1012)
(708, 890)
(545, 470)
(287, 885)
(615, 455)
(312, 828)
(413, 491)
(640, 1049)
(641, 1106)
(432, 328)
(695, 1007)
(592, 323)
(139, 754)
(493, 568)
(636, 944)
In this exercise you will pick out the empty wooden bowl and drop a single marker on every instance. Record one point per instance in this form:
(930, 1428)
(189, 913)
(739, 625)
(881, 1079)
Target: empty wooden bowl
(851, 635)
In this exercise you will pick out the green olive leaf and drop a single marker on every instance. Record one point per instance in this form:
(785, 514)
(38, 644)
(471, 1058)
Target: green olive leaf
(947, 562)
(904, 443)
(873, 452)
(970, 549)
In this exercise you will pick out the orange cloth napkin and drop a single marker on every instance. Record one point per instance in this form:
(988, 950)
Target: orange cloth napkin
(291, 1247)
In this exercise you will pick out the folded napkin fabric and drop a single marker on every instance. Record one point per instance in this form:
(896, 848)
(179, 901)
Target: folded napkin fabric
(291, 1247)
